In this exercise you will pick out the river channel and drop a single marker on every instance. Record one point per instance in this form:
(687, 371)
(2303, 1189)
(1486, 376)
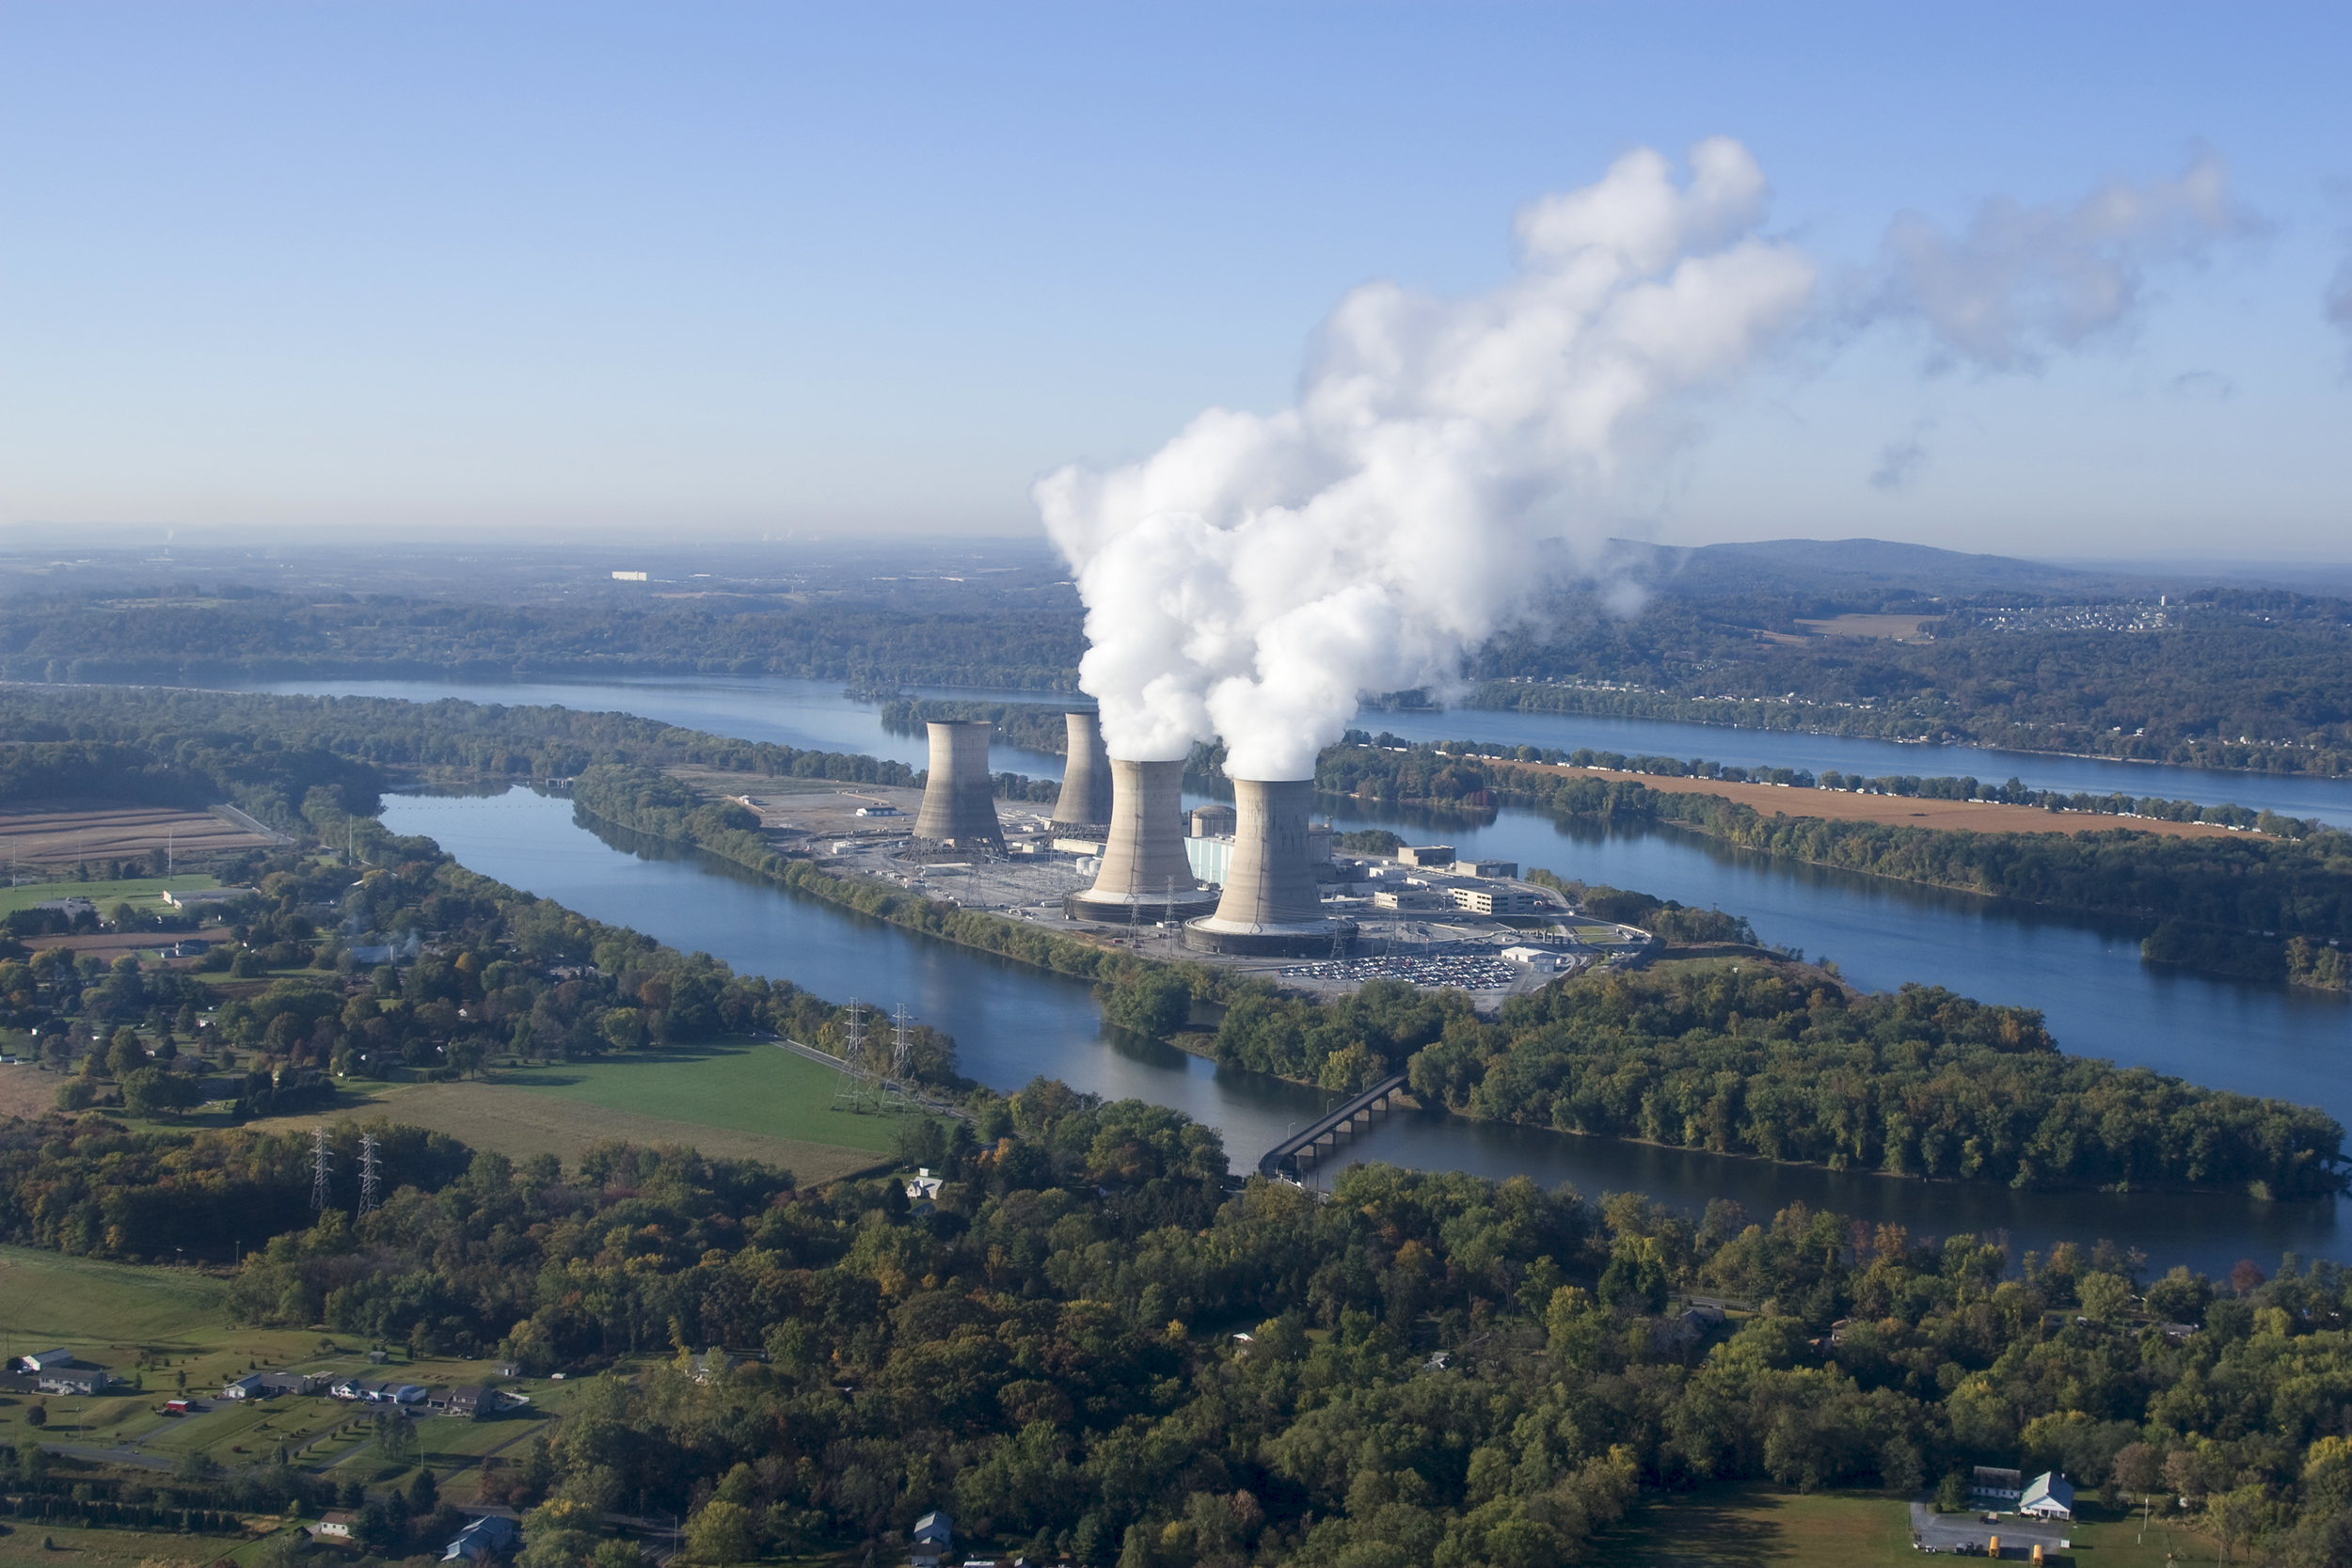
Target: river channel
(2086, 975)
(1011, 1023)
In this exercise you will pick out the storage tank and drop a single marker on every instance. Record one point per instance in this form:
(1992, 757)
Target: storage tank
(959, 798)
(1085, 801)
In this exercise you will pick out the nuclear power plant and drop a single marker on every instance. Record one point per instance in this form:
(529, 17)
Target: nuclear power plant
(959, 809)
(1271, 907)
(1146, 874)
(1085, 801)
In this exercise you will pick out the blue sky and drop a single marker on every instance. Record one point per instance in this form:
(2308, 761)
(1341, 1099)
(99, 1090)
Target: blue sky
(735, 269)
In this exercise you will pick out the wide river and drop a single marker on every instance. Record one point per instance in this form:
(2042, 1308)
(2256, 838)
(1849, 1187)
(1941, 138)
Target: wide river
(1011, 1023)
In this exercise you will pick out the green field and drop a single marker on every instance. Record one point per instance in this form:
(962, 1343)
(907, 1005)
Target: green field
(743, 1085)
(143, 892)
(78, 1300)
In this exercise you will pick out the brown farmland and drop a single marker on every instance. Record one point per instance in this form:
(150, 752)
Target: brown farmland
(1982, 817)
(60, 832)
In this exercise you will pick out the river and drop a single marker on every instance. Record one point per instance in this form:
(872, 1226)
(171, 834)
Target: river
(1013, 1024)
(816, 714)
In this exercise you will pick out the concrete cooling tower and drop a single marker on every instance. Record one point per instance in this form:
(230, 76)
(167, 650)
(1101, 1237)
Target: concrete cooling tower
(1146, 874)
(959, 798)
(1085, 801)
(1270, 907)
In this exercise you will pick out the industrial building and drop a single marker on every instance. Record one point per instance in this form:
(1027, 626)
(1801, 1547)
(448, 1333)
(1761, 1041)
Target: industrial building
(958, 810)
(1271, 906)
(1503, 900)
(1083, 805)
(1144, 869)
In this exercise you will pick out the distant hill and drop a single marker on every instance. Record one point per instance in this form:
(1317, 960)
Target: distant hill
(1880, 566)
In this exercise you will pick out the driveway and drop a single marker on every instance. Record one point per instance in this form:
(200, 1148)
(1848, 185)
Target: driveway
(1943, 1532)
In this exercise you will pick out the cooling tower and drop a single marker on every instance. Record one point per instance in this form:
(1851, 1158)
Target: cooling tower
(960, 799)
(1085, 801)
(1270, 907)
(1146, 874)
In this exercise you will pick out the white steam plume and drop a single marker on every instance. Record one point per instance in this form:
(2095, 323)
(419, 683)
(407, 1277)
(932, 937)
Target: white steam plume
(1255, 573)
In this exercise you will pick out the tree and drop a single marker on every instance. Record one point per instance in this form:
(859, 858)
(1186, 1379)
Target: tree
(2137, 1470)
(153, 1091)
(722, 1532)
(2104, 1296)
(125, 1055)
(2245, 1276)
(76, 1093)
(395, 1438)
(2184, 1472)
(1951, 1494)
(37, 1417)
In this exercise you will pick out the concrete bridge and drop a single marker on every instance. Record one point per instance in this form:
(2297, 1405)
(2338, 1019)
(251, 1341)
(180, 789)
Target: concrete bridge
(1307, 1144)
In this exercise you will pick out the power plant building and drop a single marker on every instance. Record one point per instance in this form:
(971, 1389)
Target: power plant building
(959, 809)
(1271, 906)
(1085, 801)
(1145, 872)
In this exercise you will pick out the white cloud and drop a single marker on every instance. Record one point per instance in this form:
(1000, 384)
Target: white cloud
(2019, 282)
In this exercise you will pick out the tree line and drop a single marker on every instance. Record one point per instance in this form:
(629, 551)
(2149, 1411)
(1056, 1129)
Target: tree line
(1089, 1343)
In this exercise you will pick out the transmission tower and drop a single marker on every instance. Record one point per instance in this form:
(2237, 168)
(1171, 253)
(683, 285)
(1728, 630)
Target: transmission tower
(902, 1055)
(850, 1092)
(371, 1173)
(322, 1163)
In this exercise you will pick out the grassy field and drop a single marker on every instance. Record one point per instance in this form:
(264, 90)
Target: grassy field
(1757, 1524)
(737, 1099)
(143, 893)
(79, 1301)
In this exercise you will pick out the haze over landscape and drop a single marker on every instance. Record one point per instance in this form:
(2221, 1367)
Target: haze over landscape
(1317, 786)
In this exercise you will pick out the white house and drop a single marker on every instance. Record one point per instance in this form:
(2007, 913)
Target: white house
(2049, 1496)
(487, 1536)
(333, 1526)
(934, 1533)
(247, 1388)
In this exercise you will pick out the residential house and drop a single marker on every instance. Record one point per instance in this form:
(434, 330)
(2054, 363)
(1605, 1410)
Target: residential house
(246, 1388)
(289, 1383)
(81, 1379)
(334, 1525)
(934, 1535)
(2049, 1496)
(469, 1401)
(490, 1535)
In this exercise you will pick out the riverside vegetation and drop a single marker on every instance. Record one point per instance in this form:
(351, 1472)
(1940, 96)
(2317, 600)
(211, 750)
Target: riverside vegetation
(1993, 1099)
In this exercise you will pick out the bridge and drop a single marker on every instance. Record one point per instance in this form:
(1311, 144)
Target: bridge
(1307, 1143)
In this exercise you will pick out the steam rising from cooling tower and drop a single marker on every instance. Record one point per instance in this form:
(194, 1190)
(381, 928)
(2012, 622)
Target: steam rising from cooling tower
(959, 808)
(1258, 572)
(1145, 871)
(1085, 801)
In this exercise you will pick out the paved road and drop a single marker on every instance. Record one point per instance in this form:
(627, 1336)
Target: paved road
(1941, 1532)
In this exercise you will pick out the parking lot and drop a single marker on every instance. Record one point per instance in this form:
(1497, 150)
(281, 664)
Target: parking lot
(1952, 1532)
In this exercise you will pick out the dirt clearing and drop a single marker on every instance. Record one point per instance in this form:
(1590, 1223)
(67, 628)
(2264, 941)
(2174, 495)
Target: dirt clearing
(61, 832)
(1903, 811)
